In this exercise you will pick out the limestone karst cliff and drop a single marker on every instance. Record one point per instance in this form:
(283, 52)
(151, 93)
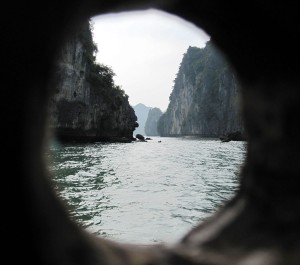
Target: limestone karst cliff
(86, 104)
(205, 97)
(151, 122)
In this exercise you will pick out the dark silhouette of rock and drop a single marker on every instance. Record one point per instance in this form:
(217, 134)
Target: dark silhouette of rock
(140, 137)
(233, 136)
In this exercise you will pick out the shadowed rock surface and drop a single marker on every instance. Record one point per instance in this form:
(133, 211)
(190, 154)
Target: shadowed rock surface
(140, 137)
(233, 136)
(205, 97)
(86, 104)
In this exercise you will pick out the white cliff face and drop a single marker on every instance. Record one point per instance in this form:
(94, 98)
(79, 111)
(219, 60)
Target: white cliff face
(205, 98)
(82, 107)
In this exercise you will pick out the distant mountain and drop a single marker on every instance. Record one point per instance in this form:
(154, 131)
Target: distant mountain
(141, 111)
(151, 123)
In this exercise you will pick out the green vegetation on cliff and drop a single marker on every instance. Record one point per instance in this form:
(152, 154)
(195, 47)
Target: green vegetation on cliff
(86, 104)
(101, 76)
(205, 96)
(102, 85)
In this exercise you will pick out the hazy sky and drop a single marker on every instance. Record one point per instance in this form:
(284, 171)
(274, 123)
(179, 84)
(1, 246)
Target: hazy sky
(144, 49)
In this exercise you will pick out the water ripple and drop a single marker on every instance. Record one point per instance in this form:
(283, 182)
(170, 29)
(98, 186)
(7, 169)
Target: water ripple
(146, 192)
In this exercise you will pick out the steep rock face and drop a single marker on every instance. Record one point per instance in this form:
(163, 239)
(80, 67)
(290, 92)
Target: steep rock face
(152, 121)
(205, 97)
(86, 105)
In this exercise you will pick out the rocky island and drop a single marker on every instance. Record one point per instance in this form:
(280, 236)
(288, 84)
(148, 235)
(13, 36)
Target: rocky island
(205, 97)
(86, 105)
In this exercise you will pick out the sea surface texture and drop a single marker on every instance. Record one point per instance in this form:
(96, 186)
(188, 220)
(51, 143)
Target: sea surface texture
(146, 192)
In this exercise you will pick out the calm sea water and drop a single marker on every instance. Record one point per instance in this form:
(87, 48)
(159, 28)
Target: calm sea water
(146, 192)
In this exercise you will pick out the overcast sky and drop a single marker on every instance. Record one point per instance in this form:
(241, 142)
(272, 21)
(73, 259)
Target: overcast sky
(144, 49)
